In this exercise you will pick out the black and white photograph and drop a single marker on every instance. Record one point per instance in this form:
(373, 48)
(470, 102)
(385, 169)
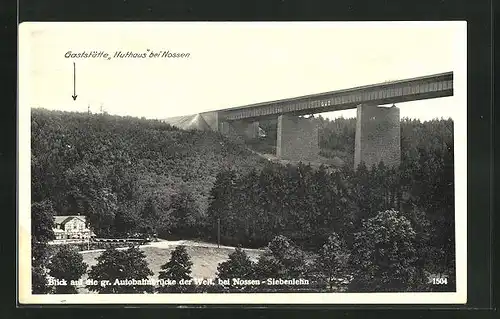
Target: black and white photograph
(242, 162)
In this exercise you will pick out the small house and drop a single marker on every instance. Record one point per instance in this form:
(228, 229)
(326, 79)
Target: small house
(71, 227)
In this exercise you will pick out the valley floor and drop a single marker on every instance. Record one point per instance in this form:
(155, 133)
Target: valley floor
(205, 257)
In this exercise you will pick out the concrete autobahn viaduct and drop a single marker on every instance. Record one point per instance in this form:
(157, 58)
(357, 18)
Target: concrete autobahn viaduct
(377, 128)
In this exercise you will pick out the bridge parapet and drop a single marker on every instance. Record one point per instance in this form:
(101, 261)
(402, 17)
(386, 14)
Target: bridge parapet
(426, 87)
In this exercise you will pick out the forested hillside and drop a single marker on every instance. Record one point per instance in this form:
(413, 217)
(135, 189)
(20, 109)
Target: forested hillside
(135, 175)
(125, 173)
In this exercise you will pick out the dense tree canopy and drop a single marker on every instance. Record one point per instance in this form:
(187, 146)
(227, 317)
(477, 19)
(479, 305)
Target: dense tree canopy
(109, 167)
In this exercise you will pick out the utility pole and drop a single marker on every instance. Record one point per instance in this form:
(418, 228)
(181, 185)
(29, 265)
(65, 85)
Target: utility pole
(218, 232)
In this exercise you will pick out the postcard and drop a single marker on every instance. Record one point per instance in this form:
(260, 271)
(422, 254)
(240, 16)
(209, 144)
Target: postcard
(242, 163)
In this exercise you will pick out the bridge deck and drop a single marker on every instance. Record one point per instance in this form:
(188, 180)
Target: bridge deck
(425, 87)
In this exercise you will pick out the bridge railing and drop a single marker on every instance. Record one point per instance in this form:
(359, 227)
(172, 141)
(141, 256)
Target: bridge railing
(438, 85)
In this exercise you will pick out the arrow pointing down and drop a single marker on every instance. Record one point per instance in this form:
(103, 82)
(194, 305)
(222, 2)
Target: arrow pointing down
(74, 82)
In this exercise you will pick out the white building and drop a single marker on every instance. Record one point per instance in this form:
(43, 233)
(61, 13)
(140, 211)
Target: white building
(71, 227)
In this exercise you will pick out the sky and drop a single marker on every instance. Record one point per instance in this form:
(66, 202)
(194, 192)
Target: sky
(233, 64)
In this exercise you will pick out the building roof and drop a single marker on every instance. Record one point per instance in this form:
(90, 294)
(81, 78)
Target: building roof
(64, 219)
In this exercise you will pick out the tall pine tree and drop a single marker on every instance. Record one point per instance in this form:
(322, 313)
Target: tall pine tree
(177, 268)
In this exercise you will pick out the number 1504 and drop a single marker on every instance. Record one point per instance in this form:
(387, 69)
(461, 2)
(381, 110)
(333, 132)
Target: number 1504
(439, 281)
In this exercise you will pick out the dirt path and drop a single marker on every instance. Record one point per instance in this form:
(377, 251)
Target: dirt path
(167, 244)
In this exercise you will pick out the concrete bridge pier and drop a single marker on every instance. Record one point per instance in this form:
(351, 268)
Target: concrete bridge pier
(378, 136)
(297, 138)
